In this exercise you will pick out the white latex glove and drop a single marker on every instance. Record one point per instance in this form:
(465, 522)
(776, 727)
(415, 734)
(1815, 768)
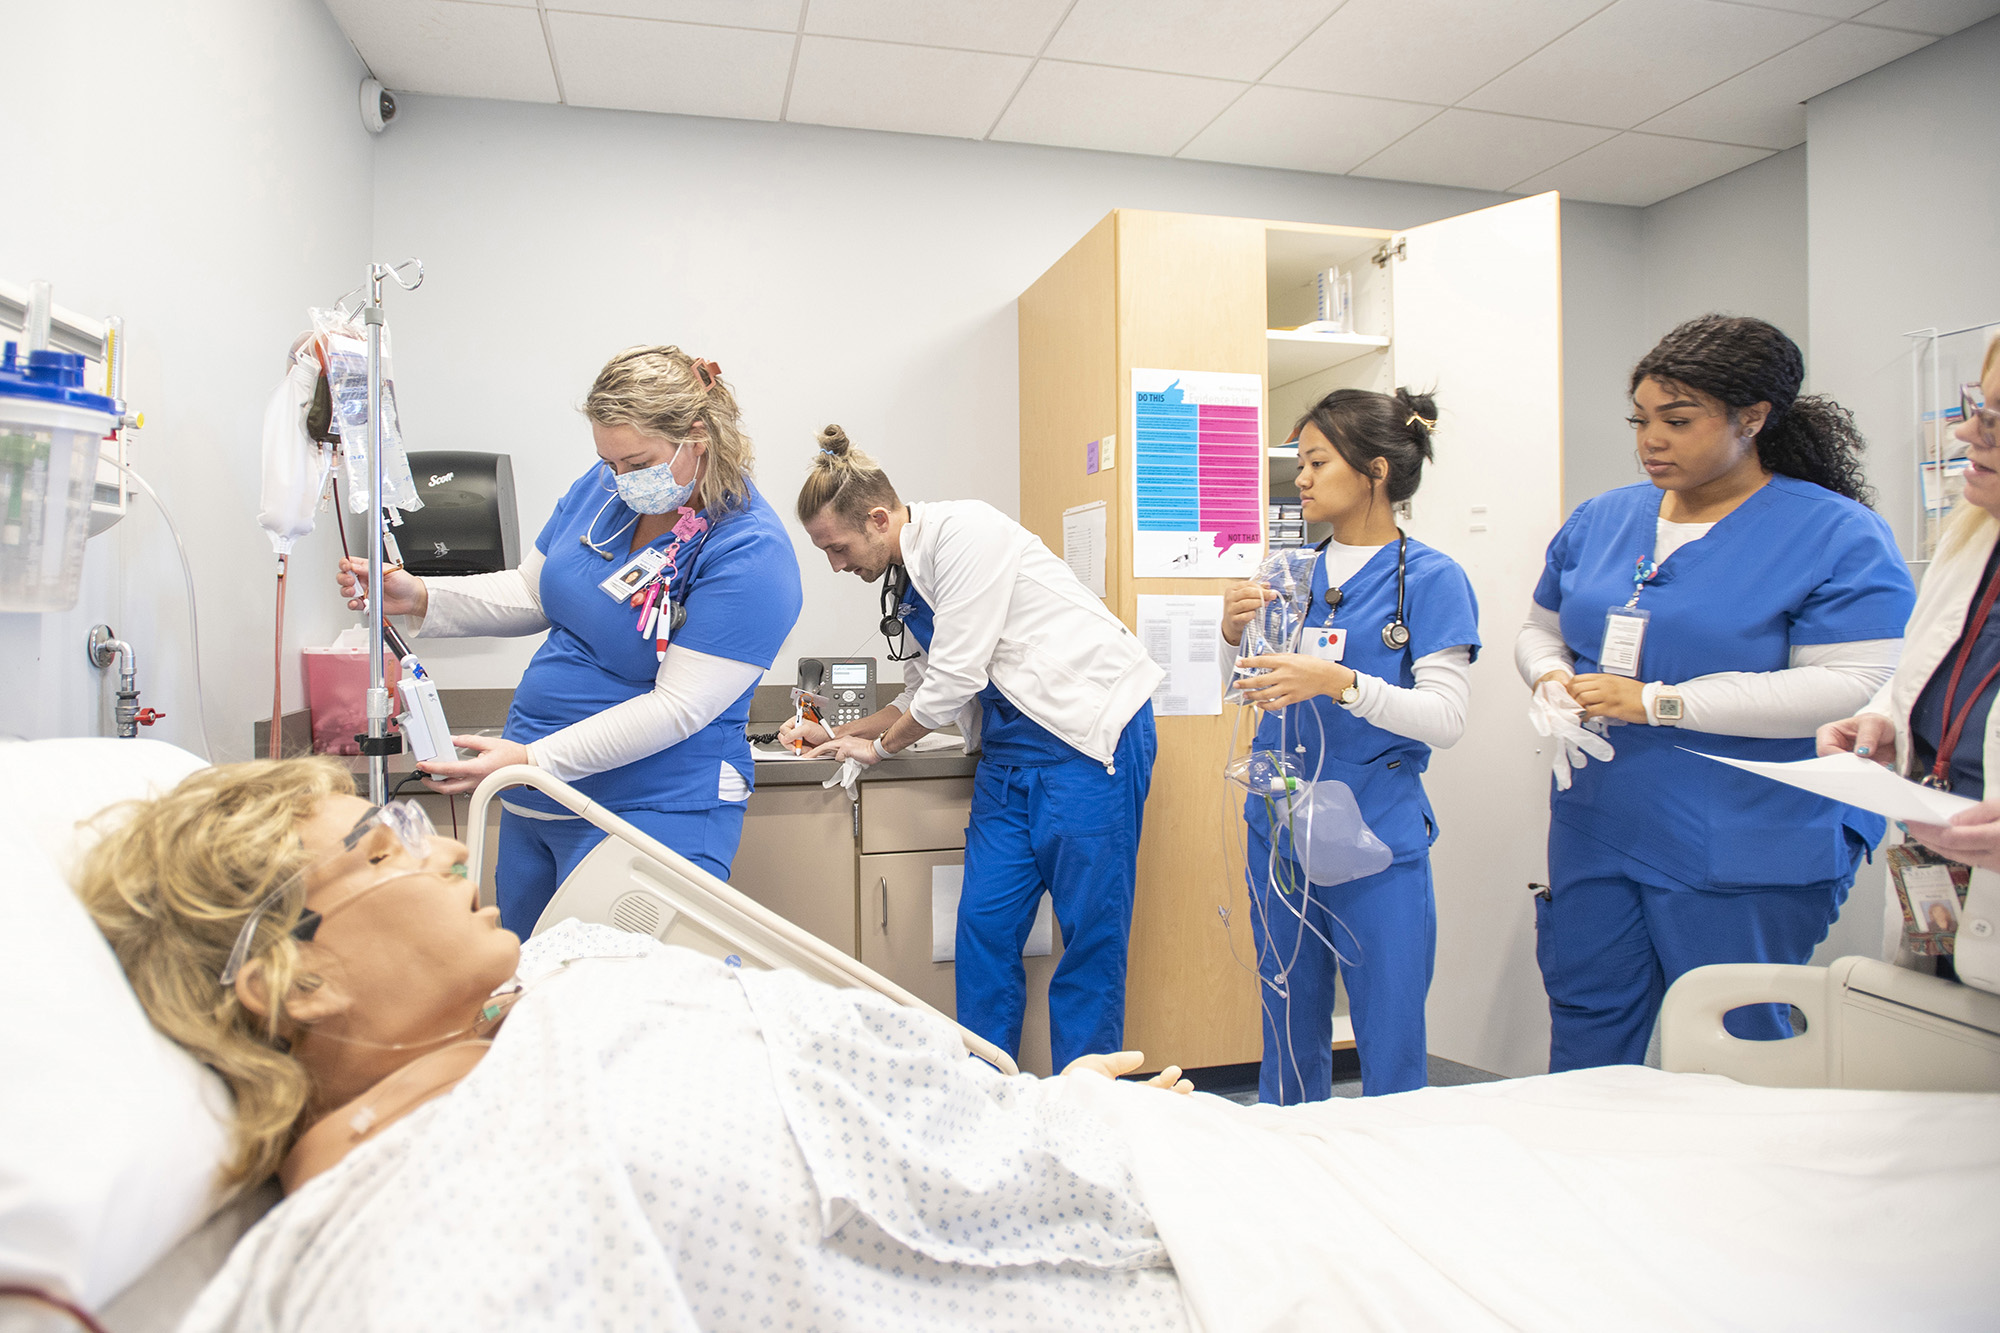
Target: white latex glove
(1554, 714)
(849, 774)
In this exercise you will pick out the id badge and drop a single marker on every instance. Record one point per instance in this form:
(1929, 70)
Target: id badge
(1624, 636)
(1931, 891)
(1327, 643)
(630, 578)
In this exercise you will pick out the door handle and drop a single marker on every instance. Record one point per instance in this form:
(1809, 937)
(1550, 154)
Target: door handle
(883, 885)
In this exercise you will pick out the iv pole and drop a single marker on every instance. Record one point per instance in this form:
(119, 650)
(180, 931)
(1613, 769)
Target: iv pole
(378, 745)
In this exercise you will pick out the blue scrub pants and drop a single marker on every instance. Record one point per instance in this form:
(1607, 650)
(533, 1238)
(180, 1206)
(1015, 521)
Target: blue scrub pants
(1071, 830)
(536, 855)
(1615, 933)
(1385, 924)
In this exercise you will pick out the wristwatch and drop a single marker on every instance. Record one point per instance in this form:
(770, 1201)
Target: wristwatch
(1351, 695)
(1667, 706)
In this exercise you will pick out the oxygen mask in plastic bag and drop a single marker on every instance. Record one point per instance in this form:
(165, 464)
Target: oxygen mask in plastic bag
(1316, 823)
(1275, 628)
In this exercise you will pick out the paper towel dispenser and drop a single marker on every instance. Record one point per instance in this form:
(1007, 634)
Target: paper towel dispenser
(468, 524)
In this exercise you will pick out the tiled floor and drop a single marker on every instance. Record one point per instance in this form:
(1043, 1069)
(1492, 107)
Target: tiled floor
(1443, 1074)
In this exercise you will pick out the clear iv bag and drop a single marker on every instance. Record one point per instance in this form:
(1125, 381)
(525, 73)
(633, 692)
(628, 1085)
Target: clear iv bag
(346, 347)
(1275, 628)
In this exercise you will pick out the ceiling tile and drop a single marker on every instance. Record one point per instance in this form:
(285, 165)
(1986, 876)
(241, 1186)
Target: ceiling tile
(1640, 57)
(1480, 150)
(1222, 40)
(912, 89)
(771, 15)
(1117, 110)
(1424, 50)
(1305, 131)
(1765, 105)
(1832, 9)
(684, 68)
(457, 50)
(1016, 27)
(1640, 169)
(1940, 18)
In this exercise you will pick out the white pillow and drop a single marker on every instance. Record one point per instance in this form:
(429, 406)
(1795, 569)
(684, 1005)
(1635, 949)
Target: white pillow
(110, 1135)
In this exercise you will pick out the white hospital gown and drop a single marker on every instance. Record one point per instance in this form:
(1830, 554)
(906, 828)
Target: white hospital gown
(658, 1141)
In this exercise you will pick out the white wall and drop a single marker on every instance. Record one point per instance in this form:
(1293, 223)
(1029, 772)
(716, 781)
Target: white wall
(1736, 244)
(200, 169)
(1903, 212)
(836, 275)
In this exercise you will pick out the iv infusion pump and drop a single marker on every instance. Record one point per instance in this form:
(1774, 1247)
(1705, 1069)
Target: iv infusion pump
(848, 681)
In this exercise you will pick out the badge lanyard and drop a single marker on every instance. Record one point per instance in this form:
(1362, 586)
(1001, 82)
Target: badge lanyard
(1625, 626)
(1954, 721)
(655, 584)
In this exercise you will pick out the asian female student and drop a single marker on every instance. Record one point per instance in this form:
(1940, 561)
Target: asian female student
(1366, 710)
(1736, 601)
(666, 584)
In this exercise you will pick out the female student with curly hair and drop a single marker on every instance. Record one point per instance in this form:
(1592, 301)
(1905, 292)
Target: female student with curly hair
(1739, 601)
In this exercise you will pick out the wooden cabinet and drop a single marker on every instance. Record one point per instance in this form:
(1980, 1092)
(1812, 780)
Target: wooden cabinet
(797, 858)
(1469, 306)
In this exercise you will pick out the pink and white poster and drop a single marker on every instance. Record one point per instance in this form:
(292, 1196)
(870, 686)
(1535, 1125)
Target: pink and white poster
(1198, 470)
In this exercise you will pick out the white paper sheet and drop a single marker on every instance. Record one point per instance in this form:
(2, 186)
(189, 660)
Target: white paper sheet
(1859, 783)
(1083, 544)
(1180, 633)
(946, 884)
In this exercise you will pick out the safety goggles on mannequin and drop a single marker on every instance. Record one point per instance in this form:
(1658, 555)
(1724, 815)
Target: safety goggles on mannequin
(396, 839)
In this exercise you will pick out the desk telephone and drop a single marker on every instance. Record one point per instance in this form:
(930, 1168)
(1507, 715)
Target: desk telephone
(848, 681)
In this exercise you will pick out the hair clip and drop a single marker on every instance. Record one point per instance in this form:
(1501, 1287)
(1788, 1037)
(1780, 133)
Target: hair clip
(1414, 418)
(709, 372)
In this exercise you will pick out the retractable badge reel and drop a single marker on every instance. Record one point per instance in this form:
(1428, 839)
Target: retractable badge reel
(1625, 626)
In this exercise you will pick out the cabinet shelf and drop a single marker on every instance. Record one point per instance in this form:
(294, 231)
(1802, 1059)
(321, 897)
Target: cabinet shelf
(1293, 355)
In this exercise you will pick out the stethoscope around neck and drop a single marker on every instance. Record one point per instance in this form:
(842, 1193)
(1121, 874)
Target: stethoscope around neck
(895, 583)
(1395, 634)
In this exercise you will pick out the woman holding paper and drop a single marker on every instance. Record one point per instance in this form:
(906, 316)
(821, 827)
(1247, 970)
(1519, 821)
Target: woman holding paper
(1933, 719)
(1746, 594)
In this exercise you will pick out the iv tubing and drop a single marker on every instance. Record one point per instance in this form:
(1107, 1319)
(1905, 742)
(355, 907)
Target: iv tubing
(194, 622)
(275, 749)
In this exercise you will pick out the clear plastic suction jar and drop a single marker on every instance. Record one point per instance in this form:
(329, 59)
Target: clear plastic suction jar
(1276, 628)
(50, 431)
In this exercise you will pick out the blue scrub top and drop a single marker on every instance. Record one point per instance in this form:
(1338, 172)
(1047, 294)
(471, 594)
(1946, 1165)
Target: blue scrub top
(1007, 736)
(1382, 768)
(742, 596)
(1927, 719)
(1793, 564)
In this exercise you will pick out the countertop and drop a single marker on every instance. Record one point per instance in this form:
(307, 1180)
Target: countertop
(484, 712)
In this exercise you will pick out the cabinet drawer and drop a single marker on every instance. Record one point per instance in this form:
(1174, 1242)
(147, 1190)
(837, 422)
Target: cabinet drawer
(797, 858)
(923, 815)
(895, 893)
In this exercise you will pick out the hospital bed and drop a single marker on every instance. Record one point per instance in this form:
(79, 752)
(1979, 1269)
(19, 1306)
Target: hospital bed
(1867, 1025)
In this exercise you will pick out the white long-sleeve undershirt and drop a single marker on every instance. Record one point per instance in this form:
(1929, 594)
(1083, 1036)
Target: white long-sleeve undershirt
(1825, 681)
(690, 691)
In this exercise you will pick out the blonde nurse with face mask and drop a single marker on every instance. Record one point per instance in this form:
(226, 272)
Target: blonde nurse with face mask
(666, 584)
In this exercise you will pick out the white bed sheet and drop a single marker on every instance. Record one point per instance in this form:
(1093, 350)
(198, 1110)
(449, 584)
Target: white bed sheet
(1622, 1198)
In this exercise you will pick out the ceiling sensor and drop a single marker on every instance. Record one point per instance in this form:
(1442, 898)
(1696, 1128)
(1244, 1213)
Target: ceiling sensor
(378, 105)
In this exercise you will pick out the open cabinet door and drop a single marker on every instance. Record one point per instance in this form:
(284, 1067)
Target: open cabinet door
(1478, 316)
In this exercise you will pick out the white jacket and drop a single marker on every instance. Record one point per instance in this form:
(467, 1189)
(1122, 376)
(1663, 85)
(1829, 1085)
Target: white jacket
(1005, 609)
(1943, 603)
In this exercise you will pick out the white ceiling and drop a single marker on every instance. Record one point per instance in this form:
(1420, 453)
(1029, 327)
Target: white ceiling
(1619, 101)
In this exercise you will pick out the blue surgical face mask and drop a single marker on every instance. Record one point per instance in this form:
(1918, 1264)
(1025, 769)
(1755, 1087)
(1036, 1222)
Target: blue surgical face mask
(653, 490)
